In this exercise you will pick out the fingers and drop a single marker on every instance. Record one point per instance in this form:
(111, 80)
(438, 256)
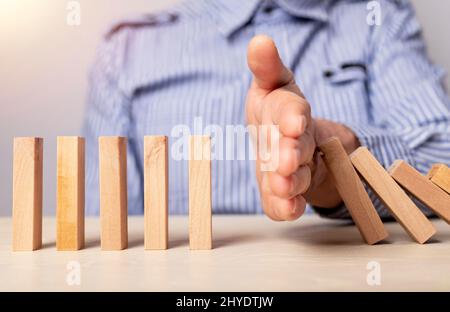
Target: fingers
(288, 209)
(280, 209)
(293, 153)
(275, 99)
(266, 198)
(283, 190)
(274, 92)
(264, 61)
(289, 111)
(291, 186)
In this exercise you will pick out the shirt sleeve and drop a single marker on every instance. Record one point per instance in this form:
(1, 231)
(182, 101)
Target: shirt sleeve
(409, 108)
(108, 113)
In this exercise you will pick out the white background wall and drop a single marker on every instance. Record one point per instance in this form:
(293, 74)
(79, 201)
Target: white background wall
(44, 62)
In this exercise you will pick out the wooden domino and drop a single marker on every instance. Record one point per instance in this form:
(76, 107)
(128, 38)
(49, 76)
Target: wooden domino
(27, 194)
(423, 189)
(439, 174)
(113, 192)
(352, 191)
(70, 193)
(200, 223)
(396, 200)
(155, 192)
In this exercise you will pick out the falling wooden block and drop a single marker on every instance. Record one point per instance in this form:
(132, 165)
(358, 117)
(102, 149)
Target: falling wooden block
(352, 192)
(155, 192)
(70, 193)
(423, 189)
(200, 227)
(399, 204)
(27, 194)
(113, 192)
(440, 175)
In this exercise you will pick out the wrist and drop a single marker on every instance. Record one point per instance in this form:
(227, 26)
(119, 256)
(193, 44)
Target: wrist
(326, 129)
(349, 139)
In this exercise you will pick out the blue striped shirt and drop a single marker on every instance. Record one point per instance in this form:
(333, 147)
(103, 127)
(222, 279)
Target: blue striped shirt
(154, 72)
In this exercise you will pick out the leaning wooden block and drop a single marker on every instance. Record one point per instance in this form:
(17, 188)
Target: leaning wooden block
(155, 192)
(70, 193)
(440, 175)
(200, 223)
(352, 192)
(399, 204)
(113, 192)
(423, 189)
(27, 194)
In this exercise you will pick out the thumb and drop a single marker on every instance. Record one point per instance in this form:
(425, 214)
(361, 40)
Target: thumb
(264, 61)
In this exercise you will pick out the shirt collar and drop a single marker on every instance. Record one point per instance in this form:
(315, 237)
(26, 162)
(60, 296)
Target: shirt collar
(230, 15)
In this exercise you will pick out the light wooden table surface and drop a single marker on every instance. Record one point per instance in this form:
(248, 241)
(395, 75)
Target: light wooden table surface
(251, 253)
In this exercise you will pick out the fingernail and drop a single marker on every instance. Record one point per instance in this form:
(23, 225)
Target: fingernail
(295, 208)
(298, 153)
(302, 123)
(293, 185)
(278, 212)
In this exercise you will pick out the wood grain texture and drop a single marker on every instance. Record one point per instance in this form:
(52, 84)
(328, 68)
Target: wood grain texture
(395, 199)
(156, 192)
(313, 254)
(423, 189)
(113, 192)
(439, 174)
(27, 193)
(70, 193)
(200, 223)
(352, 192)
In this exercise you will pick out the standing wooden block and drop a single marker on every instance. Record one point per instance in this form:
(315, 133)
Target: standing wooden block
(352, 192)
(440, 175)
(70, 193)
(27, 194)
(113, 192)
(155, 192)
(399, 204)
(422, 188)
(200, 223)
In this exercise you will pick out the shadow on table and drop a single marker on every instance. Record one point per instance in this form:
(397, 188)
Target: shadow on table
(178, 242)
(136, 242)
(342, 233)
(218, 242)
(48, 245)
(92, 243)
(235, 240)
